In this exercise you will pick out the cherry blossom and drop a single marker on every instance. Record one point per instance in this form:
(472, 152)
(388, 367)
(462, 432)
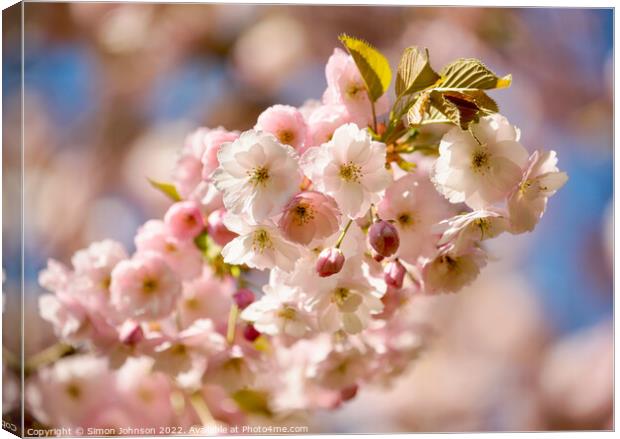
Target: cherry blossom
(350, 168)
(479, 167)
(144, 287)
(286, 123)
(528, 200)
(257, 175)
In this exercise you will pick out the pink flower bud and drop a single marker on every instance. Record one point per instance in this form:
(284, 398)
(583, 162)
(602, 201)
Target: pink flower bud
(377, 257)
(184, 220)
(383, 238)
(330, 262)
(216, 228)
(131, 333)
(394, 274)
(243, 297)
(250, 333)
(348, 393)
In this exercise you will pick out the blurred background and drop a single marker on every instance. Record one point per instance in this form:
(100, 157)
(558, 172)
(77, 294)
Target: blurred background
(112, 89)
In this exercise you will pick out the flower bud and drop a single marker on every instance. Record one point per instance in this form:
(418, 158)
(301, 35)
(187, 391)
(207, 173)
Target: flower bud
(217, 230)
(377, 257)
(131, 333)
(250, 333)
(330, 262)
(383, 238)
(394, 274)
(243, 297)
(348, 393)
(184, 219)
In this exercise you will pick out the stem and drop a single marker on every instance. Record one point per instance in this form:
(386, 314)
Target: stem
(232, 323)
(343, 233)
(47, 356)
(202, 409)
(373, 213)
(474, 136)
(374, 116)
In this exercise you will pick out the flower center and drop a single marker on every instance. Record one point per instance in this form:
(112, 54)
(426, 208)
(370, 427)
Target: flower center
(483, 224)
(450, 262)
(190, 220)
(287, 313)
(286, 136)
(259, 176)
(73, 390)
(105, 283)
(178, 349)
(523, 187)
(480, 160)
(353, 90)
(303, 213)
(261, 240)
(170, 247)
(149, 285)
(405, 219)
(350, 172)
(340, 295)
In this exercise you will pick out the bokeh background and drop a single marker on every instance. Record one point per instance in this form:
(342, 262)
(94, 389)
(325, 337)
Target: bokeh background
(111, 90)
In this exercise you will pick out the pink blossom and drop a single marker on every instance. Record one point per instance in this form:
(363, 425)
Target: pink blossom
(206, 296)
(68, 392)
(308, 216)
(144, 287)
(184, 220)
(528, 200)
(216, 228)
(198, 160)
(286, 123)
(345, 86)
(449, 272)
(415, 207)
(323, 121)
(185, 355)
(211, 141)
(181, 255)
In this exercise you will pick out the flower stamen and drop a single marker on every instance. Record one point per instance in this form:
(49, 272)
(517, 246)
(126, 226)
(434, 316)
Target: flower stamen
(259, 176)
(261, 241)
(350, 172)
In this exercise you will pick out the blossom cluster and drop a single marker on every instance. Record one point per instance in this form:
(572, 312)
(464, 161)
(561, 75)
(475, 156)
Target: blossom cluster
(349, 223)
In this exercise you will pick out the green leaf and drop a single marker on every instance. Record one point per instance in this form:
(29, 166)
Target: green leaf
(414, 72)
(457, 108)
(373, 66)
(419, 109)
(470, 74)
(167, 188)
(252, 401)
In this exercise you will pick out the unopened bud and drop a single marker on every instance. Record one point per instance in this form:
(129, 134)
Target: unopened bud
(348, 393)
(244, 297)
(383, 238)
(330, 262)
(217, 230)
(250, 333)
(377, 257)
(394, 274)
(131, 333)
(184, 219)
